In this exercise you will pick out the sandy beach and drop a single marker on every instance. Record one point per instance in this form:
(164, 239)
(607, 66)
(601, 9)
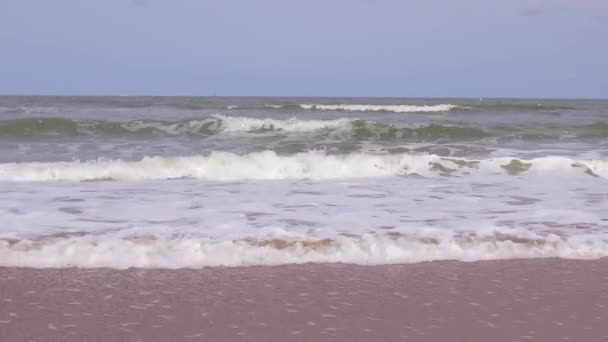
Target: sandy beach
(314, 171)
(518, 300)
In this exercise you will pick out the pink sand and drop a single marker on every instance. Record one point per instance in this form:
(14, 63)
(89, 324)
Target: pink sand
(524, 300)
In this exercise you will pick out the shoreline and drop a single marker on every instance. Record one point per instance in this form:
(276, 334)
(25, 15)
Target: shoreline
(505, 300)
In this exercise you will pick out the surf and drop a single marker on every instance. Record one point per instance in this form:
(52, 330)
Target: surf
(380, 108)
(316, 165)
(366, 249)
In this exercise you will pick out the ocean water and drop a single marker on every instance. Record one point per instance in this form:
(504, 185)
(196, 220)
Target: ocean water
(192, 182)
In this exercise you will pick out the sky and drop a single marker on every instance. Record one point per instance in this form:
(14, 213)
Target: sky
(392, 48)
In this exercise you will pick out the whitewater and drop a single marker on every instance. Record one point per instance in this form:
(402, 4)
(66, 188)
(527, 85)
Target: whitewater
(124, 182)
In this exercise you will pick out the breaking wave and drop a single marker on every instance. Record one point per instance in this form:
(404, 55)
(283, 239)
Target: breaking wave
(205, 126)
(269, 165)
(245, 124)
(381, 108)
(158, 252)
(345, 128)
(219, 124)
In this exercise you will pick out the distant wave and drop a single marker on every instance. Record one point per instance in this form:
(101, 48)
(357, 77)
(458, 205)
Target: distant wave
(380, 108)
(489, 105)
(346, 128)
(217, 124)
(308, 165)
(204, 126)
(28, 110)
(191, 252)
(551, 107)
(354, 128)
(598, 129)
(522, 107)
(75, 127)
(245, 124)
(259, 107)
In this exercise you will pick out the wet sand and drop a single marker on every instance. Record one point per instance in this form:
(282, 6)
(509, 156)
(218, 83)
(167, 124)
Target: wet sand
(522, 300)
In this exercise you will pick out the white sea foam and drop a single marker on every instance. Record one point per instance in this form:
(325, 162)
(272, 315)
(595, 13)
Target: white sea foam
(219, 123)
(268, 165)
(246, 124)
(217, 166)
(380, 108)
(175, 128)
(372, 249)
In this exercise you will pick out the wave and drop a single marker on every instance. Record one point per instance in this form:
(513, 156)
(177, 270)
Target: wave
(370, 130)
(357, 129)
(399, 108)
(190, 252)
(28, 110)
(380, 108)
(205, 126)
(597, 129)
(245, 124)
(219, 124)
(529, 106)
(343, 128)
(71, 127)
(267, 165)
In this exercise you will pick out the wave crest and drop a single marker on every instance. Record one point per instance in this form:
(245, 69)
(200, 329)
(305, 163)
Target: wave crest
(205, 126)
(222, 124)
(245, 124)
(380, 108)
(269, 165)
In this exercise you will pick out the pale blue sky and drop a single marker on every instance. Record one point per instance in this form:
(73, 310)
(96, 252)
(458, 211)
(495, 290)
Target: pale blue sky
(410, 48)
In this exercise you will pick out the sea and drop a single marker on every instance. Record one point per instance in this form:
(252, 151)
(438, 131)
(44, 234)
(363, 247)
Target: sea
(192, 182)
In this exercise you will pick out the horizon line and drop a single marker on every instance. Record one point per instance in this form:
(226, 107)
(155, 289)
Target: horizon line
(478, 98)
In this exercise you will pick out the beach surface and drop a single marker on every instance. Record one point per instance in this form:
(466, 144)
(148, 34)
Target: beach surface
(510, 300)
